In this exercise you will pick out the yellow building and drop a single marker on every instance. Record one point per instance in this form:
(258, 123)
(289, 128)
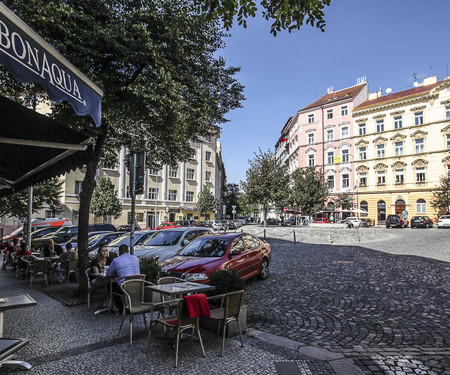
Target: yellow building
(402, 148)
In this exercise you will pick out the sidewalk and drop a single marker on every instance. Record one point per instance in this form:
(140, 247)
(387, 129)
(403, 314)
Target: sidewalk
(72, 340)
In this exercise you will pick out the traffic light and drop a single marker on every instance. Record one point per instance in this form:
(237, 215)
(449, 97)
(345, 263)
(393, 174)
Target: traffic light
(137, 172)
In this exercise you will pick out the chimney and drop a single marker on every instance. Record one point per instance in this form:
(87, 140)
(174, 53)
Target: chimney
(330, 90)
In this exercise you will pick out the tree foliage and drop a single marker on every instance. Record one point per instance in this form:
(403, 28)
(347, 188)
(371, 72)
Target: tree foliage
(232, 198)
(309, 190)
(345, 201)
(441, 197)
(45, 194)
(267, 182)
(104, 199)
(206, 201)
(287, 14)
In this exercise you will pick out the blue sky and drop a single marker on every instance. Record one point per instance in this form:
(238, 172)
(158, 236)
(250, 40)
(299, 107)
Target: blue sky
(386, 41)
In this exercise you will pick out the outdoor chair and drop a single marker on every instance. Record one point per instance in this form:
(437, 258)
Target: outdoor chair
(90, 289)
(8, 347)
(72, 268)
(120, 295)
(228, 312)
(39, 267)
(179, 322)
(170, 280)
(133, 293)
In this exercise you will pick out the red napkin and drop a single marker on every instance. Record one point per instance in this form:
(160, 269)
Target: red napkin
(197, 305)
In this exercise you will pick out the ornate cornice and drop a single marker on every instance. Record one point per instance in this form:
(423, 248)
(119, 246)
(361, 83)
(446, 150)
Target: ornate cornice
(446, 130)
(345, 144)
(361, 120)
(446, 159)
(330, 170)
(344, 123)
(309, 150)
(398, 137)
(418, 108)
(310, 131)
(379, 140)
(380, 167)
(362, 168)
(329, 126)
(382, 115)
(419, 163)
(418, 134)
(396, 113)
(445, 102)
(330, 147)
(344, 169)
(398, 164)
(362, 142)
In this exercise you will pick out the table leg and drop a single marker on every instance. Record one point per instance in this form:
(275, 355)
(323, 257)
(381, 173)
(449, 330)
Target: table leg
(1, 323)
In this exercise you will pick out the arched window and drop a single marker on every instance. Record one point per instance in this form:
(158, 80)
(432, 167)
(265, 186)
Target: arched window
(421, 206)
(364, 206)
(400, 206)
(330, 206)
(381, 212)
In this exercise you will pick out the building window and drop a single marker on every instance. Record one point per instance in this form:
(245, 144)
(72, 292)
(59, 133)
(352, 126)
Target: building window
(447, 112)
(330, 182)
(398, 122)
(208, 156)
(399, 176)
(364, 206)
(344, 132)
(420, 174)
(173, 172)
(310, 118)
(50, 214)
(311, 161)
(398, 148)
(421, 206)
(418, 118)
(362, 129)
(345, 180)
(362, 153)
(310, 138)
(420, 146)
(172, 195)
(381, 178)
(345, 156)
(189, 196)
(380, 126)
(330, 135)
(362, 179)
(330, 114)
(153, 172)
(208, 138)
(190, 174)
(380, 151)
(78, 187)
(208, 176)
(448, 141)
(153, 193)
(330, 157)
(194, 155)
(344, 110)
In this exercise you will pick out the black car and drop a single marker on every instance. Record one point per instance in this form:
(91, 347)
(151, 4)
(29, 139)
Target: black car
(288, 223)
(421, 222)
(272, 221)
(127, 228)
(396, 221)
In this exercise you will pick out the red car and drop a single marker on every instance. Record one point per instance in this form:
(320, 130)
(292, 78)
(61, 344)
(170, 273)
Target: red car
(321, 220)
(166, 226)
(243, 252)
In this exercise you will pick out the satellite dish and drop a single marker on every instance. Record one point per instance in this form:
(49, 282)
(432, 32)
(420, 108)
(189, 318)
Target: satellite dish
(388, 90)
(416, 84)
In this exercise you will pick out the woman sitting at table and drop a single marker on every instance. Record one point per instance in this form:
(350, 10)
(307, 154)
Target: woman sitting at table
(67, 255)
(98, 266)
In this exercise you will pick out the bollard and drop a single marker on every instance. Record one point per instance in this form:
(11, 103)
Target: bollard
(294, 238)
(264, 234)
(357, 231)
(329, 236)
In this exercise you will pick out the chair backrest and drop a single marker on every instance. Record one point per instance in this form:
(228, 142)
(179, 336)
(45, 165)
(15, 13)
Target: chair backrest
(182, 316)
(170, 280)
(88, 276)
(134, 277)
(73, 263)
(40, 266)
(233, 303)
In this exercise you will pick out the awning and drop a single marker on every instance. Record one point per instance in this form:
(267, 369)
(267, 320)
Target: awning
(34, 147)
(29, 58)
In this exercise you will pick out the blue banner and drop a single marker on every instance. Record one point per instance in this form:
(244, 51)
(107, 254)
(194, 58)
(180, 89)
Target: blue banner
(29, 58)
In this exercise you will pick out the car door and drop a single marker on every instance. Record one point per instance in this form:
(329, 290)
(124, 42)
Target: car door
(253, 254)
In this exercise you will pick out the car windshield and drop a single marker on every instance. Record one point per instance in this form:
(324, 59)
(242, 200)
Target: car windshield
(205, 247)
(16, 232)
(445, 217)
(119, 239)
(143, 238)
(164, 238)
(95, 238)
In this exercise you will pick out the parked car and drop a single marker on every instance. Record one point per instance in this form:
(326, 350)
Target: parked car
(215, 224)
(272, 221)
(165, 225)
(229, 224)
(396, 221)
(74, 239)
(127, 228)
(243, 252)
(237, 223)
(99, 239)
(288, 223)
(185, 223)
(242, 219)
(421, 222)
(139, 237)
(321, 220)
(201, 224)
(353, 222)
(444, 221)
(166, 243)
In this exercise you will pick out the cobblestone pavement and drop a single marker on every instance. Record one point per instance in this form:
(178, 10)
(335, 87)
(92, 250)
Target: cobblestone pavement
(387, 312)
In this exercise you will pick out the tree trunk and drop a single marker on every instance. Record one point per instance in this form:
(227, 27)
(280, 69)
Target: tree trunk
(88, 187)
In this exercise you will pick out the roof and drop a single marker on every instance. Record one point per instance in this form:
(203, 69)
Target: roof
(336, 96)
(416, 91)
(35, 147)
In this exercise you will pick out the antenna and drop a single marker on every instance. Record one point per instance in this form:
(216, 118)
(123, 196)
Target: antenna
(415, 84)
(388, 90)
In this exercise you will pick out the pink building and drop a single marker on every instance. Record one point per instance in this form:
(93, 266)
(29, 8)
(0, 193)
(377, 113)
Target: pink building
(321, 135)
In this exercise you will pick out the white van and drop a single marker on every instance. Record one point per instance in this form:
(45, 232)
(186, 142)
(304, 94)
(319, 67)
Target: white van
(53, 222)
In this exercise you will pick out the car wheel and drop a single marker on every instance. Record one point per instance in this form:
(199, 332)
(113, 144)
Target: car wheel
(401, 225)
(387, 226)
(264, 273)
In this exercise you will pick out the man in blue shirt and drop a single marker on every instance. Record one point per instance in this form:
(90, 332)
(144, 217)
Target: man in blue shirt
(124, 265)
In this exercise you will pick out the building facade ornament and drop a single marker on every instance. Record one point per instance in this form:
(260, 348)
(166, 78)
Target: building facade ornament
(398, 137)
(382, 115)
(418, 108)
(446, 130)
(398, 164)
(418, 134)
(344, 145)
(364, 119)
(361, 143)
(380, 167)
(396, 113)
(419, 163)
(362, 168)
(379, 140)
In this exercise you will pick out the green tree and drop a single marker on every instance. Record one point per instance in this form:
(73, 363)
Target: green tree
(206, 201)
(441, 197)
(45, 194)
(309, 190)
(104, 199)
(290, 14)
(232, 198)
(345, 201)
(267, 182)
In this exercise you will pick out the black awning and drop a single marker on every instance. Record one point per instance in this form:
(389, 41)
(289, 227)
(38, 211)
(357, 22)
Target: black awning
(34, 147)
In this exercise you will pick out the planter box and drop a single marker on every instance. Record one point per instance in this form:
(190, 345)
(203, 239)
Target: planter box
(151, 296)
(232, 328)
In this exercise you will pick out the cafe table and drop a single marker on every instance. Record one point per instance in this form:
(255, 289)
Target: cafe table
(14, 302)
(180, 288)
(102, 281)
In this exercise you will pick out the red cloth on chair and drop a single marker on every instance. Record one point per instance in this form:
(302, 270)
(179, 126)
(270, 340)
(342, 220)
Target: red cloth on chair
(197, 305)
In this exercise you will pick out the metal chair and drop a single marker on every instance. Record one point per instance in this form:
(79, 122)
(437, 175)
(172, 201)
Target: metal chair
(228, 312)
(180, 322)
(90, 289)
(120, 294)
(133, 293)
(39, 267)
(165, 298)
(73, 268)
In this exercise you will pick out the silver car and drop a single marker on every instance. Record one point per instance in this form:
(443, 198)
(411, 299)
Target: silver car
(166, 243)
(139, 237)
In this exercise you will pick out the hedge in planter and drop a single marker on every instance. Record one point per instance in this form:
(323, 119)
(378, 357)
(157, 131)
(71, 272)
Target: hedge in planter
(151, 269)
(226, 281)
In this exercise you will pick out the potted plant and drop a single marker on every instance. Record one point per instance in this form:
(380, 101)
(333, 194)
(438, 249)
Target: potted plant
(225, 281)
(152, 271)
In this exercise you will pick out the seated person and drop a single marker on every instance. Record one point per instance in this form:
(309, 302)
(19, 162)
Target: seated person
(52, 249)
(67, 255)
(11, 249)
(98, 265)
(124, 265)
(21, 252)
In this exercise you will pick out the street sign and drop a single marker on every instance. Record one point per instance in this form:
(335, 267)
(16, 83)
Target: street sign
(233, 207)
(167, 209)
(285, 209)
(233, 212)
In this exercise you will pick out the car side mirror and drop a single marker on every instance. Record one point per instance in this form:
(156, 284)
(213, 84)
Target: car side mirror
(235, 252)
